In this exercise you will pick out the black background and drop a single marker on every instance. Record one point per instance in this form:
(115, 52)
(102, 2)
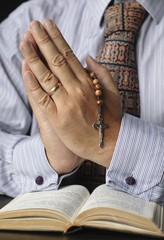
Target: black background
(8, 6)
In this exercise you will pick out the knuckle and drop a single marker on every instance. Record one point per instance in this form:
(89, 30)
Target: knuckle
(33, 60)
(34, 89)
(58, 60)
(47, 77)
(43, 40)
(68, 54)
(44, 101)
(80, 92)
(81, 97)
(56, 34)
(71, 107)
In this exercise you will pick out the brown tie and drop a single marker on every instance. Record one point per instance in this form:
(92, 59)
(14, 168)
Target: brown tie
(122, 23)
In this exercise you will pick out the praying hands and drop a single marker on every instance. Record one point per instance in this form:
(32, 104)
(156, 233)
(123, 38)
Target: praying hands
(63, 100)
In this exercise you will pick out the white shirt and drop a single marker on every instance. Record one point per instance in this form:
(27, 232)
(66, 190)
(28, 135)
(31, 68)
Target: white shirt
(139, 150)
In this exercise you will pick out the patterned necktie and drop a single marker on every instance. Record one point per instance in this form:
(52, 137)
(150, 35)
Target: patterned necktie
(122, 23)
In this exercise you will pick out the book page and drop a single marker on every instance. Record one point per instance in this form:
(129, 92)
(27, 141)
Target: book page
(104, 196)
(67, 200)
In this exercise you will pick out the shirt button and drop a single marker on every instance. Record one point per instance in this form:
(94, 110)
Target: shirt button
(39, 180)
(130, 180)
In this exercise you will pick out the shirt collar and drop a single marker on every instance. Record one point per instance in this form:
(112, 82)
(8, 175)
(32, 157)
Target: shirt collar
(154, 8)
(97, 9)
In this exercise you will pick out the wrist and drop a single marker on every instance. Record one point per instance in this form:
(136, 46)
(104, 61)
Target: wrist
(64, 166)
(103, 156)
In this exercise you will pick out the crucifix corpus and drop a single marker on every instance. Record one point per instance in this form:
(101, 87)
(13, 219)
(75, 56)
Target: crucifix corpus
(101, 126)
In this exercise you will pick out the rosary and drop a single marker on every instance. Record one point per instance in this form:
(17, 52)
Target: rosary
(98, 92)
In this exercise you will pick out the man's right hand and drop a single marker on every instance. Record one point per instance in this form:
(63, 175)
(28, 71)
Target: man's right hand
(61, 159)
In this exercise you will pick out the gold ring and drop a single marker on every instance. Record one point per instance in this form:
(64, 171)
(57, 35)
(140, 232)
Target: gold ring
(54, 89)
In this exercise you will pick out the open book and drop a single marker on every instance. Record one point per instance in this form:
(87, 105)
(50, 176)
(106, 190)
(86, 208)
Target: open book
(73, 206)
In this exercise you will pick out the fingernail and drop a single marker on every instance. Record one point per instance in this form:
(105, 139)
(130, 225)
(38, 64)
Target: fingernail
(48, 24)
(28, 76)
(26, 46)
(36, 26)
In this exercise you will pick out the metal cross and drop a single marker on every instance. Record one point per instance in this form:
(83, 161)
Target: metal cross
(101, 126)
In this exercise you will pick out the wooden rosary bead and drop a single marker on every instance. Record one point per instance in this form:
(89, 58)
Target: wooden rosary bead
(92, 74)
(95, 81)
(98, 92)
(99, 101)
(100, 125)
(97, 86)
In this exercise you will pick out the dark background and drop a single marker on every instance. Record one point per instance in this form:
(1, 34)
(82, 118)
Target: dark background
(8, 6)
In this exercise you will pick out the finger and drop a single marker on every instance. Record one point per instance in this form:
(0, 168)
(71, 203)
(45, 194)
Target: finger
(39, 114)
(42, 99)
(65, 49)
(111, 94)
(53, 56)
(45, 77)
(102, 74)
(36, 109)
(28, 36)
(25, 67)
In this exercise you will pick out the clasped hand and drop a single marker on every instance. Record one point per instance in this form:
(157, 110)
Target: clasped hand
(65, 119)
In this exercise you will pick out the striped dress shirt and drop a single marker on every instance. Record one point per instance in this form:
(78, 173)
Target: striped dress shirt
(139, 151)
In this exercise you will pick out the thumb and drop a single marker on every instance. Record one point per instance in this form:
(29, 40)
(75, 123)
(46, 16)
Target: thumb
(103, 75)
(110, 92)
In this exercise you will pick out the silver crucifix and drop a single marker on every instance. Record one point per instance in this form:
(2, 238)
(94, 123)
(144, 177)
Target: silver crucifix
(101, 126)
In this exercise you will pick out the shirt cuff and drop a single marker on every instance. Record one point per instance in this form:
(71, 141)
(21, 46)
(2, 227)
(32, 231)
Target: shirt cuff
(138, 154)
(32, 171)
